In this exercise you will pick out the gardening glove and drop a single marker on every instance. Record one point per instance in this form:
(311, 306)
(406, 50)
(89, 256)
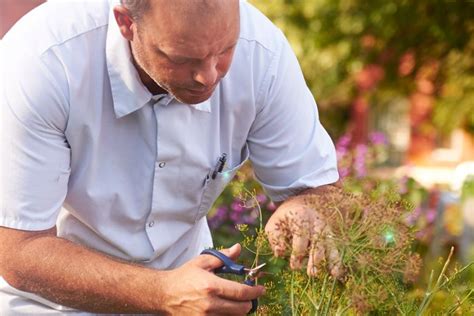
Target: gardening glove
(309, 233)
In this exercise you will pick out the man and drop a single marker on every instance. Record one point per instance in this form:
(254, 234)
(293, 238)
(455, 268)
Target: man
(115, 117)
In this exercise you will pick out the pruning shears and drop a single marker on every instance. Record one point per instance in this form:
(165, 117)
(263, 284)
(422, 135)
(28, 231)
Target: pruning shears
(231, 267)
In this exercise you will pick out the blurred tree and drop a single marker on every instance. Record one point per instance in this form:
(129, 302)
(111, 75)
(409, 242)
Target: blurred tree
(359, 55)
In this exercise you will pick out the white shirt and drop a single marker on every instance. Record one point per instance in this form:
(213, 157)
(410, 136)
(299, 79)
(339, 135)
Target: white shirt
(81, 133)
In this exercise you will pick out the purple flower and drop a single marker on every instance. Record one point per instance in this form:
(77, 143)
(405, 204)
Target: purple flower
(219, 216)
(360, 160)
(250, 218)
(344, 141)
(378, 138)
(261, 198)
(430, 215)
(271, 206)
(236, 218)
(341, 153)
(237, 206)
(344, 172)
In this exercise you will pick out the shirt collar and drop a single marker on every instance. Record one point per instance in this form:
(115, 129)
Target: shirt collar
(128, 92)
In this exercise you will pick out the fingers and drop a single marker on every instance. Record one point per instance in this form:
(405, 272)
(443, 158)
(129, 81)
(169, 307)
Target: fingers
(276, 234)
(300, 225)
(335, 264)
(324, 250)
(333, 256)
(237, 291)
(227, 307)
(300, 250)
(226, 288)
(232, 252)
(317, 256)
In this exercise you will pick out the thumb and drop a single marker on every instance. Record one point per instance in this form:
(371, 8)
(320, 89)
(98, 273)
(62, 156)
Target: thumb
(232, 252)
(210, 262)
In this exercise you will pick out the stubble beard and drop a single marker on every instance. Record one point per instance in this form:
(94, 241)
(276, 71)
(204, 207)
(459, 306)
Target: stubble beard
(142, 64)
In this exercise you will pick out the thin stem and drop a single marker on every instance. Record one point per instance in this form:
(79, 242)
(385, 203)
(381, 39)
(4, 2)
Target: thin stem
(323, 294)
(459, 304)
(292, 294)
(426, 296)
(328, 305)
(310, 299)
(304, 289)
(429, 294)
(260, 230)
(444, 268)
(333, 287)
(456, 274)
(397, 303)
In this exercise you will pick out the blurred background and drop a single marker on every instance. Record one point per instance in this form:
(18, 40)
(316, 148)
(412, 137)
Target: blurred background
(394, 83)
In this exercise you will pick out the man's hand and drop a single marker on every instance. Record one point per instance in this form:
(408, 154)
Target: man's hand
(84, 279)
(193, 289)
(309, 233)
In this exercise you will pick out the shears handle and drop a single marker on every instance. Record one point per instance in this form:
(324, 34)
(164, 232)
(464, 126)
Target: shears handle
(255, 301)
(230, 267)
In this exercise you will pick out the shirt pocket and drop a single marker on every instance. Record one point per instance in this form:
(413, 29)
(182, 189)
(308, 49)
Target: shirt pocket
(214, 187)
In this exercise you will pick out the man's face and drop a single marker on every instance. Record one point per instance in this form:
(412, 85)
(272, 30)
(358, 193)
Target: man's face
(186, 57)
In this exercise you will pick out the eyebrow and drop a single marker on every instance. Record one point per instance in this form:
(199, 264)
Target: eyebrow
(188, 58)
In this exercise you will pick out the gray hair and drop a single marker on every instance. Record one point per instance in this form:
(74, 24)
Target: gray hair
(137, 8)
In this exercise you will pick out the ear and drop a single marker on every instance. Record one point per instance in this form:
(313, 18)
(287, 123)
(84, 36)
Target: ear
(124, 21)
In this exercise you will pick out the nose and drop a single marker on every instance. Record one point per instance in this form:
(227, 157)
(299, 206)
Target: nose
(207, 72)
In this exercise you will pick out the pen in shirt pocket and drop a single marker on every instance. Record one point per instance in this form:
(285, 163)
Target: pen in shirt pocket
(219, 166)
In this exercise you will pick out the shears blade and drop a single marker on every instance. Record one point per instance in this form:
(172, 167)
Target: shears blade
(253, 272)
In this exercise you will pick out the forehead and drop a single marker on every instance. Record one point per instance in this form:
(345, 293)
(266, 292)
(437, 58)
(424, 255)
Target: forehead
(194, 31)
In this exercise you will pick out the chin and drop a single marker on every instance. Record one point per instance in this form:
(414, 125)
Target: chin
(189, 98)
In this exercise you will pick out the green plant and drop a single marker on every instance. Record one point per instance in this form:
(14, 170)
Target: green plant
(368, 225)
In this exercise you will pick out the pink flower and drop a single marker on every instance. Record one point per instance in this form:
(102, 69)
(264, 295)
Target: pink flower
(360, 160)
(378, 138)
(237, 206)
(261, 198)
(271, 206)
(431, 215)
(218, 217)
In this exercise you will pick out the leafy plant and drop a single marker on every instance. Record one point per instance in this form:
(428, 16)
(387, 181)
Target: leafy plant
(371, 233)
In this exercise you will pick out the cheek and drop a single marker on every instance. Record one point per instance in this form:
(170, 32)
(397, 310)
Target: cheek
(174, 74)
(224, 63)
(160, 70)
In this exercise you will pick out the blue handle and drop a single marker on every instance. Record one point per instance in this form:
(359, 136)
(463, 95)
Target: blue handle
(229, 266)
(255, 301)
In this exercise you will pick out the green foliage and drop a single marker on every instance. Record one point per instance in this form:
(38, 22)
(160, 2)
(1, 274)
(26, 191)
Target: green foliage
(468, 188)
(367, 220)
(336, 39)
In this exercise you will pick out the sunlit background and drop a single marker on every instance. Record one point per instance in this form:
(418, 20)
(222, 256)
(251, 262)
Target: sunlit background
(394, 83)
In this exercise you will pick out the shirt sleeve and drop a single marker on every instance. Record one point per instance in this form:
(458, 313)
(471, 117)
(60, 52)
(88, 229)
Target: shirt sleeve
(35, 156)
(289, 148)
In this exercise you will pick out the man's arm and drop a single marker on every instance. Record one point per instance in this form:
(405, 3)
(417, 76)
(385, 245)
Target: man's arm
(74, 276)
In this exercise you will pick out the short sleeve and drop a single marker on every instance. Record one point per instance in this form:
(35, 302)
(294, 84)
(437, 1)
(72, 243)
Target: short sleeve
(34, 153)
(289, 148)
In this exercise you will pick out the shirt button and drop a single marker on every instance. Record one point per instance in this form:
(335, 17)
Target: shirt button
(162, 164)
(150, 224)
